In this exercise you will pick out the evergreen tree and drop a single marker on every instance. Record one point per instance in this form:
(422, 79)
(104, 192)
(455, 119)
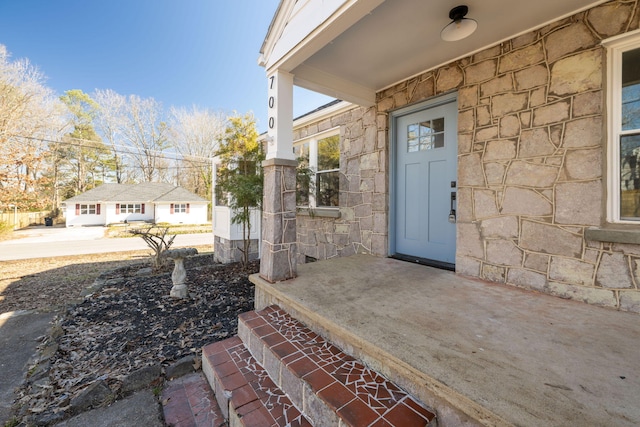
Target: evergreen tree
(240, 175)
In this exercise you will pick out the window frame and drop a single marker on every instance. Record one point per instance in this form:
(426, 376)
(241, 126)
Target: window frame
(179, 208)
(130, 208)
(616, 46)
(88, 208)
(313, 164)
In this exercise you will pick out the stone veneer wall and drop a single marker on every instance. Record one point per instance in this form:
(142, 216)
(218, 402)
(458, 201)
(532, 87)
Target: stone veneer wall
(362, 226)
(228, 251)
(531, 155)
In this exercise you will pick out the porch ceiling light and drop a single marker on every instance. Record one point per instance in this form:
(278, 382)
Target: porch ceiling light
(459, 27)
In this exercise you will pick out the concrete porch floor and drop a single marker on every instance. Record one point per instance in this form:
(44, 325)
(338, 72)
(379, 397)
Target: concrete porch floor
(472, 350)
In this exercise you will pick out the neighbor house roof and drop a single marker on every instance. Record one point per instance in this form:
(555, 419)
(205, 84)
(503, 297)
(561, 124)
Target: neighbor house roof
(147, 192)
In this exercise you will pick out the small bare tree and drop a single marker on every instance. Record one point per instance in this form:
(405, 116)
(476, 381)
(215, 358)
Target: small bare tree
(196, 135)
(146, 135)
(157, 241)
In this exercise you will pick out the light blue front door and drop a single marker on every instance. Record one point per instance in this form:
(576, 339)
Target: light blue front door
(425, 183)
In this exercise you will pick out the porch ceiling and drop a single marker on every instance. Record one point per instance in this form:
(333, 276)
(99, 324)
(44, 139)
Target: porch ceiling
(401, 38)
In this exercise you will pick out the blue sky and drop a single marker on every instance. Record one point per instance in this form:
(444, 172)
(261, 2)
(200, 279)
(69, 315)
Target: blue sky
(180, 52)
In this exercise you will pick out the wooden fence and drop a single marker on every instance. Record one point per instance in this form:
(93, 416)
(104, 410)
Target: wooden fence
(22, 219)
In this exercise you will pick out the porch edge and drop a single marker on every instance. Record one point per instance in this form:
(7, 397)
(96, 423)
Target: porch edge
(447, 403)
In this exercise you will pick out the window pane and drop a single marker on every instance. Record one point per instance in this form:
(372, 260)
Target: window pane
(304, 174)
(426, 142)
(327, 188)
(438, 125)
(412, 131)
(425, 128)
(329, 153)
(412, 145)
(438, 140)
(631, 90)
(630, 177)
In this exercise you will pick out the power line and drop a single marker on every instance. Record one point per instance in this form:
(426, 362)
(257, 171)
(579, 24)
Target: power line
(126, 150)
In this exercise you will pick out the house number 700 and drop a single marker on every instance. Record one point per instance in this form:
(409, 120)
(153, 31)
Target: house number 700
(272, 103)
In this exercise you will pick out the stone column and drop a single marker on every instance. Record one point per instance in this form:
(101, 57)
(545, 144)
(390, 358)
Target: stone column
(279, 220)
(278, 260)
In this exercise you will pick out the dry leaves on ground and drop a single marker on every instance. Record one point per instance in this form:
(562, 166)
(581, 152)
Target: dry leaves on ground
(49, 283)
(129, 324)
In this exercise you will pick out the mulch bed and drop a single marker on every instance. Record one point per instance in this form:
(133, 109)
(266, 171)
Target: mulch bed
(132, 323)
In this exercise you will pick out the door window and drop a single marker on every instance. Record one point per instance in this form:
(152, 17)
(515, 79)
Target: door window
(426, 135)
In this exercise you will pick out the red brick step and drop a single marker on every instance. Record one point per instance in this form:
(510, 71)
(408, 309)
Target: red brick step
(244, 391)
(329, 386)
(189, 402)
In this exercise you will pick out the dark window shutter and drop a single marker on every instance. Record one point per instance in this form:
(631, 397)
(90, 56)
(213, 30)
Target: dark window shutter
(142, 208)
(117, 208)
(77, 208)
(187, 207)
(171, 209)
(98, 209)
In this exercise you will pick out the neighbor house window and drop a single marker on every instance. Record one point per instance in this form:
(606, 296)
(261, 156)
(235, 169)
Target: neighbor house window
(129, 208)
(320, 157)
(624, 124)
(179, 208)
(87, 209)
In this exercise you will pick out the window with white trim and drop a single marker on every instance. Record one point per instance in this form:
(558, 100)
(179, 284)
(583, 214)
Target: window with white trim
(129, 208)
(624, 128)
(321, 155)
(180, 208)
(89, 209)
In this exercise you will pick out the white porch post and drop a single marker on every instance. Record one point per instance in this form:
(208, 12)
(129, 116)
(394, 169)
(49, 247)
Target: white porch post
(280, 141)
(278, 260)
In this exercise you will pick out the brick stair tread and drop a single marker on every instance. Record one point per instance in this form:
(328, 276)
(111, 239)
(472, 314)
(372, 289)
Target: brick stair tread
(359, 395)
(188, 401)
(257, 401)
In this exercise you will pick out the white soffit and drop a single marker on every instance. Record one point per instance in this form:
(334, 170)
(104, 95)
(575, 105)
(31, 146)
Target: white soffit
(354, 57)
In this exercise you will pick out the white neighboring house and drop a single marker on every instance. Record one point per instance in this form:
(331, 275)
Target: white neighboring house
(150, 202)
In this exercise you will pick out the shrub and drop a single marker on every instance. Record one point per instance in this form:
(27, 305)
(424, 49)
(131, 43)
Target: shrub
(157, 240)
(5, 229)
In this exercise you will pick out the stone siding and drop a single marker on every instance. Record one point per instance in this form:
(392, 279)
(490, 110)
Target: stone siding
(531, 156)
(228, 251)
(279, 253)
(362, 226)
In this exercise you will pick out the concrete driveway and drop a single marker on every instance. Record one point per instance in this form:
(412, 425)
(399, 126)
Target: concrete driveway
(42, 234)
(46, 242)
